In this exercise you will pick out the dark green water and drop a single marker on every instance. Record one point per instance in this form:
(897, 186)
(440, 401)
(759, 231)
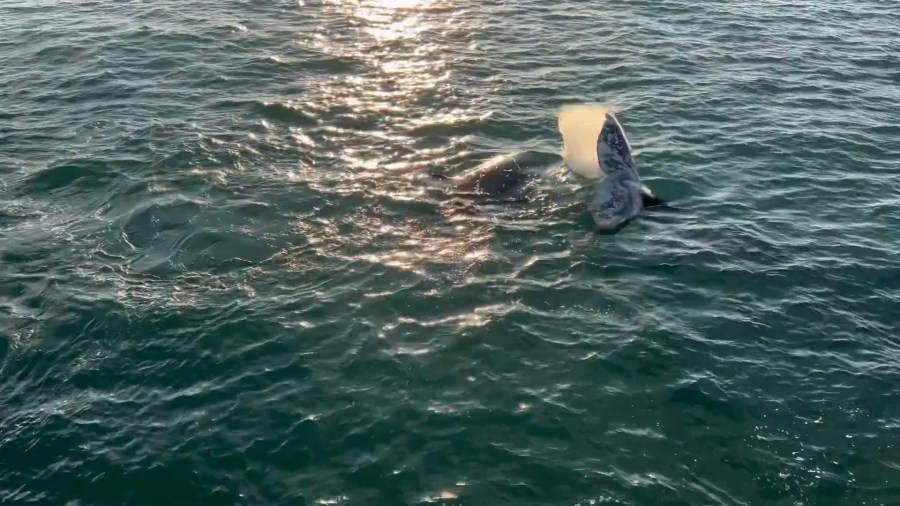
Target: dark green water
(227, 277)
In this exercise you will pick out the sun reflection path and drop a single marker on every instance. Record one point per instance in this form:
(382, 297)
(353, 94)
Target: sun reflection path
(403, 86)
(379, 124)
(400, 4)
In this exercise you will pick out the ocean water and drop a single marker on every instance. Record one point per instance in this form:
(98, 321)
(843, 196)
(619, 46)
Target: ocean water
(229, 276)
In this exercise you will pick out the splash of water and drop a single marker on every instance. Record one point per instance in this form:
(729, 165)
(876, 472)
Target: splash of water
(580, 127)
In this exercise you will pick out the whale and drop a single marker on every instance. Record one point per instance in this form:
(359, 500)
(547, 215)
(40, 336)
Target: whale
(510, 178)
(620, 195)
(595, 146)
(504, 178)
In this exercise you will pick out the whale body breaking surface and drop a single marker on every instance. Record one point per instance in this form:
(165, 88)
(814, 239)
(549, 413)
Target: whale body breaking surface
(594, 147)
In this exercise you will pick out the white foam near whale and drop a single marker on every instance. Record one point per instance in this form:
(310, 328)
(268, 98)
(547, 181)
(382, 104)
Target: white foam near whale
(580, 126)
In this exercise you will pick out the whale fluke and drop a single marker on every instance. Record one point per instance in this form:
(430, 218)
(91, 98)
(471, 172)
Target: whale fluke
(618, 197)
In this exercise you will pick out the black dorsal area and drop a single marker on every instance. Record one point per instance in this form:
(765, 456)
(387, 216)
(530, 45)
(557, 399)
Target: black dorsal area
(651, 201)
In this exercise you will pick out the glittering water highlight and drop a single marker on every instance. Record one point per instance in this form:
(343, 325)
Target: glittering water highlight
(231, 275)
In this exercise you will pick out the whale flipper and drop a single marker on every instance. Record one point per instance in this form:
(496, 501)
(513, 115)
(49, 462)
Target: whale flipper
(620, 195)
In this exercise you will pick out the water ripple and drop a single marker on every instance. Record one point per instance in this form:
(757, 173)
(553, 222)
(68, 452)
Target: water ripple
(233, 262)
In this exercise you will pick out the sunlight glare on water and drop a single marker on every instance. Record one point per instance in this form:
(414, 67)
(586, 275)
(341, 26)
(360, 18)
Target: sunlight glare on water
(371, 123)
(398, 4)
(234, 259)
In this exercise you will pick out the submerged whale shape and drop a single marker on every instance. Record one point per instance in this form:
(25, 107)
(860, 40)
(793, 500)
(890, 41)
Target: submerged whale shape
(502, 178)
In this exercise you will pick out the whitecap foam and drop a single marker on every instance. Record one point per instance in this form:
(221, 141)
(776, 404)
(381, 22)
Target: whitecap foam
(580, 126)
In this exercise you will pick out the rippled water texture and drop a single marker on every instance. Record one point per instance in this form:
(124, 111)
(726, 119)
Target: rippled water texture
(231, 274)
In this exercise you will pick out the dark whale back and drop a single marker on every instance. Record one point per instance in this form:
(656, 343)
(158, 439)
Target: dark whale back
(649, 200)
(503, 179)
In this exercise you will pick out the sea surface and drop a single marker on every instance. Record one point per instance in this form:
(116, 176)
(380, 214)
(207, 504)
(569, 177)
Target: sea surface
(233, 271)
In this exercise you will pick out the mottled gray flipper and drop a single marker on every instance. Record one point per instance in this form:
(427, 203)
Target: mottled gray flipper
(619, 196)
